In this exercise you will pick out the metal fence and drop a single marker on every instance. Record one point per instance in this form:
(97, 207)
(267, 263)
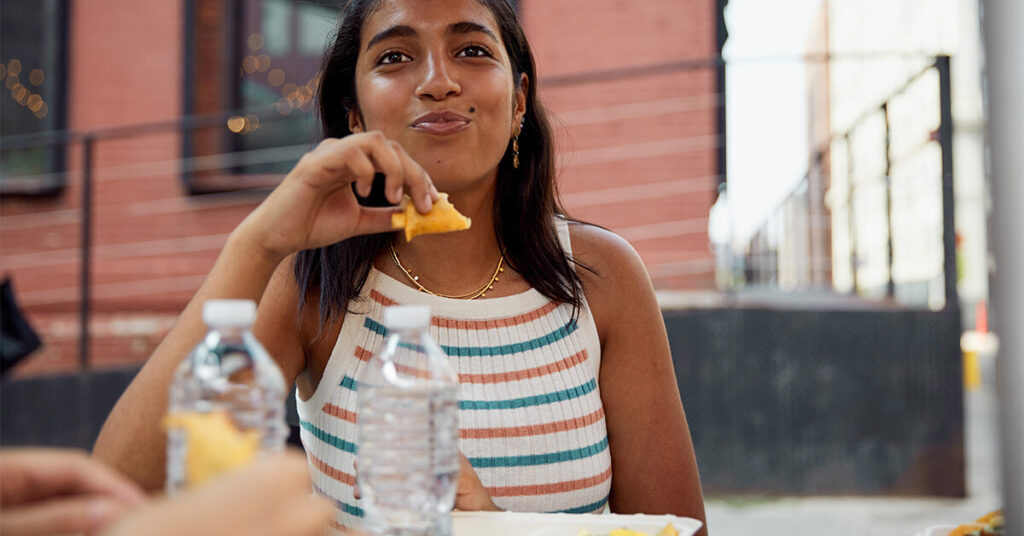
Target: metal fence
(874, 207)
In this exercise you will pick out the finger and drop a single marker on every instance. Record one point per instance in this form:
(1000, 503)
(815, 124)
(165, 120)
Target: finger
(303, 516)
(333, 159)
(363, 170)
(374, 220)
(356, 492)
(420, 187)
(288, 470)
(75, 515)
(34, 474)
(387, 161)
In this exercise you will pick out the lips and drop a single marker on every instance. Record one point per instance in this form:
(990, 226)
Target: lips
(441, 123)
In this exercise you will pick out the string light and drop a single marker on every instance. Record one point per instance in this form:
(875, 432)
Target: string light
(35, 103)
(236, 124)
(249, 64)
(288, 89)
(252, 122)
(19, 92)
(262, 62)
(255, 41)
(284, 107)
(275, 77)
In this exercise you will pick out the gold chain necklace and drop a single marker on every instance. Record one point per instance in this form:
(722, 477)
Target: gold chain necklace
(479, 293)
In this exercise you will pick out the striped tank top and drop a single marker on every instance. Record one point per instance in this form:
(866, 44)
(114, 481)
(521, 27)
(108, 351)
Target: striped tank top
(530, 415)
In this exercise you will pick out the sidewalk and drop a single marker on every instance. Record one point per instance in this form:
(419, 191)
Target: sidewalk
(877, 516)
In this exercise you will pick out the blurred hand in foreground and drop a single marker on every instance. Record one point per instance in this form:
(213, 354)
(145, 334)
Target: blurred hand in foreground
(54, 491)
(271, 497)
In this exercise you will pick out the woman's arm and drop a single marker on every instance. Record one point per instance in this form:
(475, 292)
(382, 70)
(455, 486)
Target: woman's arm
(654, 470)
(312, 207)
(132, 440)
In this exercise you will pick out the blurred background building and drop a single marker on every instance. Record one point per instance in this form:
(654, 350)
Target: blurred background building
(867, 218)
(812, 283)
(191, 109)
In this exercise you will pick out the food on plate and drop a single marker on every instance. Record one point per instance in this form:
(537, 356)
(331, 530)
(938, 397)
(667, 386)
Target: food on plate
(667, 530)
(990, 524)
(442, 218)
(213, 444)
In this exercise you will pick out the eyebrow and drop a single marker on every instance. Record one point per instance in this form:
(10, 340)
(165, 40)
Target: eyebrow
(471, 27)
(401, 30)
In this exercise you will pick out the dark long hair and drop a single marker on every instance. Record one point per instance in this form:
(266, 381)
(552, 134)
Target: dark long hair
(525, 201)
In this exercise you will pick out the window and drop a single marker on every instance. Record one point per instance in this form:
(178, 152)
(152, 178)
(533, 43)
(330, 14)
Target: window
(32, 45)
(260, 59)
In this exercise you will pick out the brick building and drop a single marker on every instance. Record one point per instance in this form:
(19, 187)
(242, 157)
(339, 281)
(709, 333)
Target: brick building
(633, 86)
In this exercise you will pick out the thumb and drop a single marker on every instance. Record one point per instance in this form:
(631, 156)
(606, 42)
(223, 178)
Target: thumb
(74, 515)
(375, 220)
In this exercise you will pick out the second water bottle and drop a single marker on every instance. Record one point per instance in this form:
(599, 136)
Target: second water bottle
(408, 457)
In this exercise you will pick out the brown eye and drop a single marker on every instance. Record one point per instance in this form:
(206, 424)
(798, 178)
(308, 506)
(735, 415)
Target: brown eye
(392, 57)
(473, 51)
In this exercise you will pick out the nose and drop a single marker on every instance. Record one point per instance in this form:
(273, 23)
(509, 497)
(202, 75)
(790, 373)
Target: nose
(437, 83)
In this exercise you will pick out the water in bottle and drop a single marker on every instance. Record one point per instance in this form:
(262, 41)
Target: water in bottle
(226, 400)
(408, 427)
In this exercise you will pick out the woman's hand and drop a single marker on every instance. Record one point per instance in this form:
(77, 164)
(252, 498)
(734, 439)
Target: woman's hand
(51, 491)
(471, 494)
(314, 205)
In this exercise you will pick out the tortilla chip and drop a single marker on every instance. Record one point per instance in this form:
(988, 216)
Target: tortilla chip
(214, 444)
(442, 218)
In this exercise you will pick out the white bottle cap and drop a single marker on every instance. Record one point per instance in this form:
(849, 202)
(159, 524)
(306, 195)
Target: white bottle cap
(407, 316)
(229, 313)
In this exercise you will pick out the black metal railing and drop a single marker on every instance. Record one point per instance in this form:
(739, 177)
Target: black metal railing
(764, 257)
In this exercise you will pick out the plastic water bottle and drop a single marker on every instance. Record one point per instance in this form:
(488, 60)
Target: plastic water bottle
(226, 401)
(408, 427)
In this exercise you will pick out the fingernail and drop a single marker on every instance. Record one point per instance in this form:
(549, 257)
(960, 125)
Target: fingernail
(101, 512)
(434, 193)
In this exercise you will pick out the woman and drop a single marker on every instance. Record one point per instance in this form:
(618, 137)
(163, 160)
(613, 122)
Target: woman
(569, 396)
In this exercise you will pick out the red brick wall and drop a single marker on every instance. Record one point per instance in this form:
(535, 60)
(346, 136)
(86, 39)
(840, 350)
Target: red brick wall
(151, 243)
(638, 157)
(639, 153)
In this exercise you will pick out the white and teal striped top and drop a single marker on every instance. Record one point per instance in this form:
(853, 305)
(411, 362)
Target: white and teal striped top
(530, 415)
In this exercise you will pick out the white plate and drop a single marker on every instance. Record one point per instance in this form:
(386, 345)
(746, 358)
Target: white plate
(937, 530)
(530, 524)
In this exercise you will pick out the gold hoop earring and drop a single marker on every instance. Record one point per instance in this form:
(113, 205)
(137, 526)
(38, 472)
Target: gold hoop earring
(515, 151)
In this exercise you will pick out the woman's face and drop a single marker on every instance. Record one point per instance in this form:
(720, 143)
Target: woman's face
(434, 76)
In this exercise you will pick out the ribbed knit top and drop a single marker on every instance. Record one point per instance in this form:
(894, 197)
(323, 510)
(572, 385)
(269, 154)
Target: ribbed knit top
(530, 415)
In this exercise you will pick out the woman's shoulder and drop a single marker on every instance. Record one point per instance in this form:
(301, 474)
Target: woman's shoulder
(603, 251)
(610, 269)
